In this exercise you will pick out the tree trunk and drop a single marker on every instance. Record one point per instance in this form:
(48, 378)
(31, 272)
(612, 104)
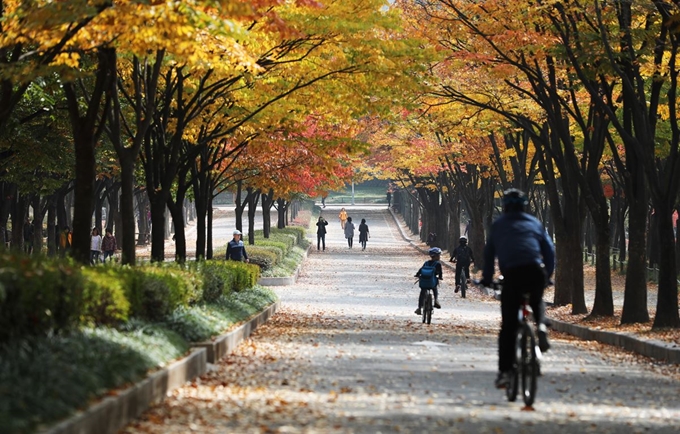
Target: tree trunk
(158, 206)
(209, 253)
(635, 294)
(253, 198)
(281, 207)
(604, 301)
(52, 236)
(667, 301)
(267, 202)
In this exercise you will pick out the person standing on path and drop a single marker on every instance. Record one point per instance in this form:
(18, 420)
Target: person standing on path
(109, 246)
(343, 218)
(321, 233)
(95, 246)
(364, 234)
(526, 258)
(389, 199)
(236, 250)
(349, 232)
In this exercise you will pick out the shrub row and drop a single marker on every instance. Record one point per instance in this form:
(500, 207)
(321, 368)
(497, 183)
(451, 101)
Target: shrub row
(41, 295)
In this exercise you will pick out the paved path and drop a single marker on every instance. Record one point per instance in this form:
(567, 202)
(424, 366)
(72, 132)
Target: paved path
(347, 354)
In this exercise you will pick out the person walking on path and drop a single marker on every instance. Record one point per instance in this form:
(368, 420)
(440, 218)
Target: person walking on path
(109, 246)
(95, 246)
(321, 233)
(389, 198)
(526, 258)
(236, 250)
(463, 257)
(343, 218)
(349, 232)
(364, 234)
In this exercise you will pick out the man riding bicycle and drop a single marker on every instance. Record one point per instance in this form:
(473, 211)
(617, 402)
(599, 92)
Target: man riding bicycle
(463, 257)
(526, 258)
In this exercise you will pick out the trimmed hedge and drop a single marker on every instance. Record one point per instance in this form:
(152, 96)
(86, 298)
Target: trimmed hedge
(40, 295)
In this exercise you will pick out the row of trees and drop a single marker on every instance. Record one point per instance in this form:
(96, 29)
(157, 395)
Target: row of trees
(575, 103)
(105, 99)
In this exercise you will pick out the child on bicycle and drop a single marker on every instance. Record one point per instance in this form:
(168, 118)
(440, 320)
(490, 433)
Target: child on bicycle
(429, 275)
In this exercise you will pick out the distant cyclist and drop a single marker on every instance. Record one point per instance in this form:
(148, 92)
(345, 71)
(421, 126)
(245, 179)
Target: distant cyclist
(526, 258)
(463, 257)
(436, 267)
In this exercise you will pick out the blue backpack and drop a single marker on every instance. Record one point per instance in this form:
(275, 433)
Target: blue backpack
(428, 275)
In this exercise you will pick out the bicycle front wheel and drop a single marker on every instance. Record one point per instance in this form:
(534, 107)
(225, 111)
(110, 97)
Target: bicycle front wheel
(528, 365)
(427, 309)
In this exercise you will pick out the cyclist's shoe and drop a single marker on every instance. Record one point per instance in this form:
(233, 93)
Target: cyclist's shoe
(419, 312)
(543, 343)
(503, 380)
(457, 289)
(437, 305)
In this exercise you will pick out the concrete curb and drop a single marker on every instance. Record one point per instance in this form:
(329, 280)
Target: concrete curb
(283, 281)
(114, 412)
(653, 348)
(226, 343)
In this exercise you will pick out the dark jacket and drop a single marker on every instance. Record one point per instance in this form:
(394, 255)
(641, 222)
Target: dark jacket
(321, 227)
(518, 239)
(463, 255)
(109, 244)
(236, 250)
(363, 232)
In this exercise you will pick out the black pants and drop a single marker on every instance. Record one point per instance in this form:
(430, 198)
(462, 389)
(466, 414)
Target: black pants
(350, 241)
(516, 282)
(320, 239)
(423, 294)
(462, 268)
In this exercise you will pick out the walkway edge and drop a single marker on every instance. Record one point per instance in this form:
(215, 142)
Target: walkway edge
(284, 281)
(226, 343)
(114, 412)
(652, 348)
(416, 246)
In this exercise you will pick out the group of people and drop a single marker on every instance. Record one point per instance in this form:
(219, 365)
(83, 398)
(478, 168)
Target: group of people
(105, 246)
(526, 259)
(347, 226)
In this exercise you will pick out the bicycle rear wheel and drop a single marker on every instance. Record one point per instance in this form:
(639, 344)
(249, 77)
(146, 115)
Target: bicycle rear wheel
(528, 365)
(513, 387)
(427, 309)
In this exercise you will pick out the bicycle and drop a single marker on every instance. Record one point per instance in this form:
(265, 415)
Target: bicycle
(428, 307)
(527, 353)
(462, 284)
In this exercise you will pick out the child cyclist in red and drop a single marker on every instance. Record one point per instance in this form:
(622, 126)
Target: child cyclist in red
(429, 276)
